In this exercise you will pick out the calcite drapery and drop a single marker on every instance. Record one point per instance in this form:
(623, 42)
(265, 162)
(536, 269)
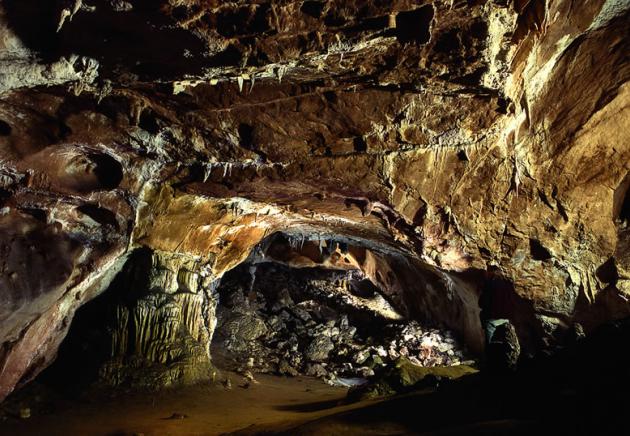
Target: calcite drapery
(163, 323)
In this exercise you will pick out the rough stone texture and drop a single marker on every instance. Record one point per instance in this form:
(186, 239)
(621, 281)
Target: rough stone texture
(161, 327)
(478, 150)
(329, 323)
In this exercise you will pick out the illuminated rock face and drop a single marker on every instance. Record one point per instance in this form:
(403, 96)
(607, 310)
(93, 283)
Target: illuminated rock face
(476, 150)
(162, 324)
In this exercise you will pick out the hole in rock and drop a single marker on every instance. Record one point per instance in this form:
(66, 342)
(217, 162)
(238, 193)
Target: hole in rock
(624, 213)
(331, 97)
(370, 24)
(334, 18)
(99, 214)
(232, 55)
(415, 25)
(360, 145)
(243, 21)
(108, 170)
(90, 172)
(148, 122)
(180, 13)
(448, 41)
(246, 134)
(313, 8)
(5, 128)
(538, 251)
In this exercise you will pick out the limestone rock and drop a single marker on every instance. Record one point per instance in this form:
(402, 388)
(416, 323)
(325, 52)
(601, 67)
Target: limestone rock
(468, 157)
(318, 349)
(503, 348)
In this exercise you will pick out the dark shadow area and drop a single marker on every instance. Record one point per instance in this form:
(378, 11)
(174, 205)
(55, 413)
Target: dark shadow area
(243, 21)
(313, 8)
(309, 407)
(624, 213)
(88, 343)
(538, 251)
(149, 122)
(415, 26)
(359, 144)
(39, 214)
(499, 300)
(151, 48)
(108, 170)
(607, 272)
(578, 391)
(5, 128)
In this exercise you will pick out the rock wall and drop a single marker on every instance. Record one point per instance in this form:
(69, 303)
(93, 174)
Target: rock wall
(484, 141)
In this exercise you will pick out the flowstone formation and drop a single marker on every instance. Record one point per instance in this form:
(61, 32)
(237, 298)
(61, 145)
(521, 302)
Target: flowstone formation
(329, 324)
(151, 329)
(163, 337)
(473, 153)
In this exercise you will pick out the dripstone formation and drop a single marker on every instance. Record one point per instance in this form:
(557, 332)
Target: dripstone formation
(469, 158)
(162, 336)
(151, 329)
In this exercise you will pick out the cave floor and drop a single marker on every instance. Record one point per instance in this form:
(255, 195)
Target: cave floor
(276, 402)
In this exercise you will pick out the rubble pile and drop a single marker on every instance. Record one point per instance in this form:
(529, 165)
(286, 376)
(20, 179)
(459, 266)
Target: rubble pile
(291, 322)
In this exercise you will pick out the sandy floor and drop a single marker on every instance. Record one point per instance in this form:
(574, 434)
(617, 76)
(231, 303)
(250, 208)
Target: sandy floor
(209, 410)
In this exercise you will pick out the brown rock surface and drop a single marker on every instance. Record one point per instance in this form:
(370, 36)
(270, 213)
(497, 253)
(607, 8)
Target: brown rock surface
(477, 151)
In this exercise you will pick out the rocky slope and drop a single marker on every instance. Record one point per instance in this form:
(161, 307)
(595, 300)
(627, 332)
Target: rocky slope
(475, 152)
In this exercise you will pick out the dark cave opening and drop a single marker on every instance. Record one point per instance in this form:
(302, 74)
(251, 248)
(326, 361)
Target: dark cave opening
(624, 212)
(333, 324)
(313, 8)
(538, 251)
(149, 122)
(415, 25)
(5, 128)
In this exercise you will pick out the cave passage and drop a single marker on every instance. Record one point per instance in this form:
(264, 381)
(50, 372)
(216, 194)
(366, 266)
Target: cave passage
(165, 322)
(333, 324)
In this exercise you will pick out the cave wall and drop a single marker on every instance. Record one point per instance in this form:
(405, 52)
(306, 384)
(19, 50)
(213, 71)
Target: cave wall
(487, 141)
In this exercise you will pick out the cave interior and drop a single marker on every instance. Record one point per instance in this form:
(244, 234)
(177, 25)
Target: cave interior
(314, 217)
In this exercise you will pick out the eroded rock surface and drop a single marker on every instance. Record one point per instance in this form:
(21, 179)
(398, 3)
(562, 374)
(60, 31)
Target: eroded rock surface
(477, 151)
(318, 322)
